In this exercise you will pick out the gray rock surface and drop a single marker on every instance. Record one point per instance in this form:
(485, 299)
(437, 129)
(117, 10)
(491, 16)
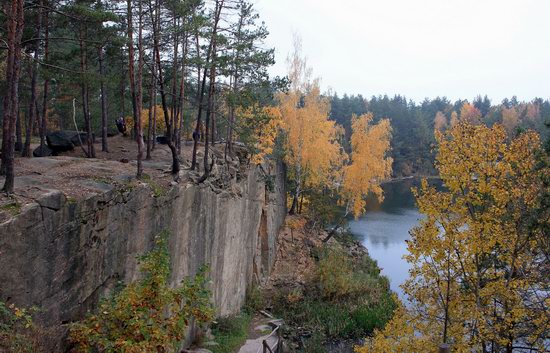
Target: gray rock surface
(63, 255)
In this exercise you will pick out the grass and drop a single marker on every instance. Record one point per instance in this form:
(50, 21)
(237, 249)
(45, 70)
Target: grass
(158, 190)
(230, 333)
(13, 208)
(346, 298)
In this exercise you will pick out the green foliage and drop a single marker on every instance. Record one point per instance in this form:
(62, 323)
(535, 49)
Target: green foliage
(158, 190)
(315, 344)
(230, 332)
(13, 208)
(254, 299)
(16, 330)
(346, 298)
(338, 276)
(323, 207)
(147, 315)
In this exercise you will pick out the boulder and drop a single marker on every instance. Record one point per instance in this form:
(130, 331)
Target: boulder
(162, 140)
(83, 137)
(60, 141)
(42, 151)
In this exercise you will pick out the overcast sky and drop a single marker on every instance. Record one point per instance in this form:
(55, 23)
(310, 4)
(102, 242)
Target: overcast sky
(418, 48)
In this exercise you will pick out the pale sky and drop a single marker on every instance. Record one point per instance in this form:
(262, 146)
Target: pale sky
(418, 48)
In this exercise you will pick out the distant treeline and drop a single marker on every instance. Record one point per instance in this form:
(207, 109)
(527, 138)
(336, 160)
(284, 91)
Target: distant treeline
(413, 123)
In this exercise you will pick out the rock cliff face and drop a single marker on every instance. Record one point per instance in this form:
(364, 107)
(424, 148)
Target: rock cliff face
(63, 255)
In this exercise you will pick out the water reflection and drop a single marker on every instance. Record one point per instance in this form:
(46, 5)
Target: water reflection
(385, 228)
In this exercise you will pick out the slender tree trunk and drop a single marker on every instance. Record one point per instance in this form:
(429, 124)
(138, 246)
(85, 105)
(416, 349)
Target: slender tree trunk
(298, 190)
(104, 112)
(139, 129)
(154, 116)
(199, 112)
(338, 225)
(44, 115)
(152, 94)
(209, 109)
(174, 100)
(86, 96)
(136, 89)
(18, 133)
(123, 90)
(15, 25)
(210, 54)
(34, 96)
(156, 50)
(212, 87)
(181, 95)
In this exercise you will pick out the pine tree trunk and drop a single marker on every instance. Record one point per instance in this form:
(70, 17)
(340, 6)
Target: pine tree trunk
(139, 128)
(33, 112)
(152, 94)
(44, 115)
(18, 133)
(200, 99)
(156, 53)
(15, 25)
(104, 112)
(212, 88)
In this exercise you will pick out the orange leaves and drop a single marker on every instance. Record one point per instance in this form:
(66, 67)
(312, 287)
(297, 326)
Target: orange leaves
(369, 162)
(470, 114)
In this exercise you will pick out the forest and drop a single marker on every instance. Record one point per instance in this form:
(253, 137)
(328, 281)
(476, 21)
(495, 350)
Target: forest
(413, 123)
(84, 79)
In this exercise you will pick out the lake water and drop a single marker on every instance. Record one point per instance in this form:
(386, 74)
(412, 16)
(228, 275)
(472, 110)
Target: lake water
(385, 228)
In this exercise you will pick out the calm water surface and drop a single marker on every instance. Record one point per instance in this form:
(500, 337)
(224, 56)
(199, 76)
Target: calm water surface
(385, 228)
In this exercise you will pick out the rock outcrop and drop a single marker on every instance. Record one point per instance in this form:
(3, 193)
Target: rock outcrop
(62, 255)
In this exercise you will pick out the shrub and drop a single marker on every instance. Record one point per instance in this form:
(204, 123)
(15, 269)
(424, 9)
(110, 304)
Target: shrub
(345, 298)
(16, 330)
(147, 315)
(230, 332)
(339, 276)
(254, 299)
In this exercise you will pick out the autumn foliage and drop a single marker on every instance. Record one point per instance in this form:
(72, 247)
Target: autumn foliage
(147, 315)
(478, 279)
(313, 146)
(369, 162)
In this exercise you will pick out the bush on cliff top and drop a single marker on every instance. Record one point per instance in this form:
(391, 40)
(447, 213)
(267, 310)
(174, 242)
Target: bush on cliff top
(147, 315)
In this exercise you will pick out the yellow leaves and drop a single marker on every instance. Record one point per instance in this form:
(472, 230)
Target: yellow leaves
(510, 119)
(259, 129)
(440, 121)
(474, 256)
(311, 138)
(369, 162)
(470, 114)
(158, 114)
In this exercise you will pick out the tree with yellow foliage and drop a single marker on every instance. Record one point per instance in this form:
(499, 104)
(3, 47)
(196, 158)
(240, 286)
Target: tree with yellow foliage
(258, 129)
(312, 149)
(370, 164)
(477, 280)
(440, 121)
(510, 119)
(470, 114)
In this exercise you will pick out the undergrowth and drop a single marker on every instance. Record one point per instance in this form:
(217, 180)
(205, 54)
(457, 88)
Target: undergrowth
(345, 298)
(17, 331)
(230, 332)
(148, 315)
